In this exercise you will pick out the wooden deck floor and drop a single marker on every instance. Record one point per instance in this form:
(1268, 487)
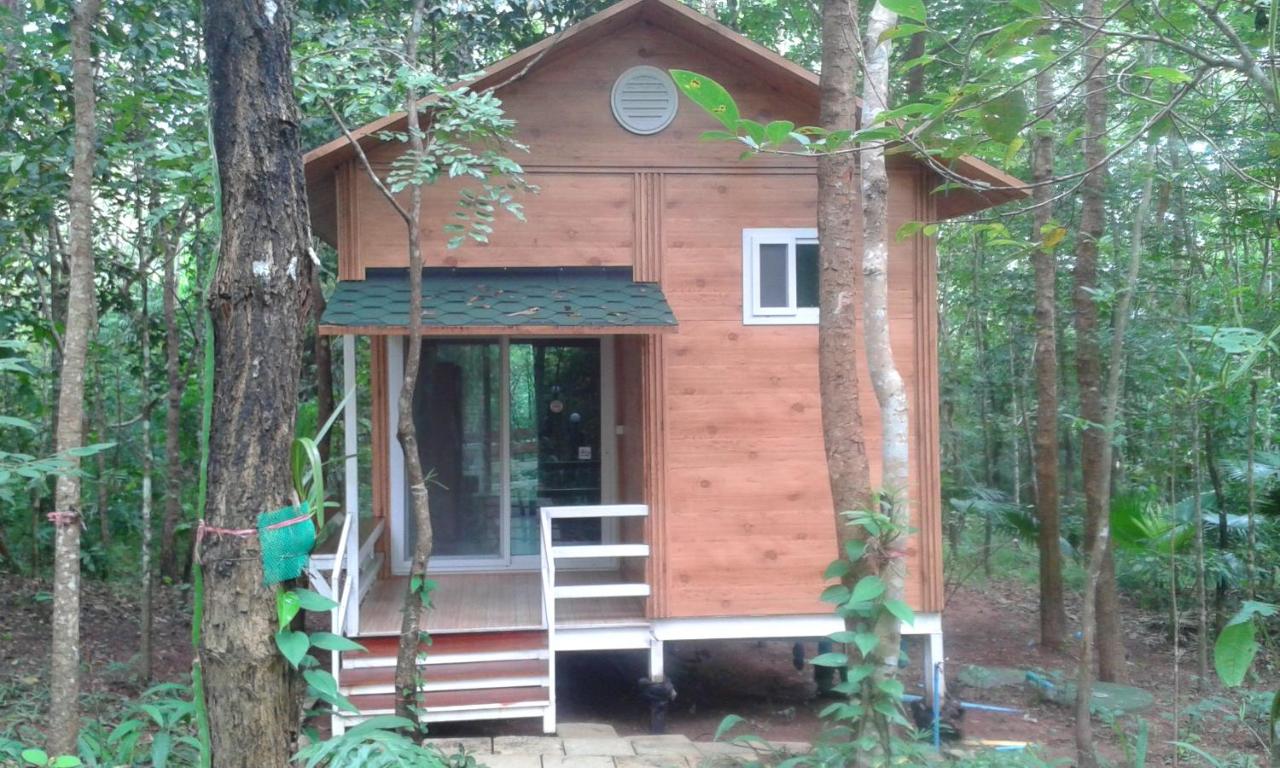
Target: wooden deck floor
(469, 602)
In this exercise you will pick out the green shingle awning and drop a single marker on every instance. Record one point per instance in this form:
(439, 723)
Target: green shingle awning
(591, 300)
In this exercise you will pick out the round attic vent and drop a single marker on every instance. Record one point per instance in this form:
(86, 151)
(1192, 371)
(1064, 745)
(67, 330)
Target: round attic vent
(644, 100)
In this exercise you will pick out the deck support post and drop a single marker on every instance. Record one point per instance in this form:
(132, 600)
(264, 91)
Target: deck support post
(934, 666)
(657, 669)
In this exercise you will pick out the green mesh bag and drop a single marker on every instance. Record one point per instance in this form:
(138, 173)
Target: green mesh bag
(287, 536)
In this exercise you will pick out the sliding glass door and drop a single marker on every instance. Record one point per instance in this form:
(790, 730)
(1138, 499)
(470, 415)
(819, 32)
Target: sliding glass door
(506, 427)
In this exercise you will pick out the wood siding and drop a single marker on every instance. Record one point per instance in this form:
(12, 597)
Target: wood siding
(726, 443)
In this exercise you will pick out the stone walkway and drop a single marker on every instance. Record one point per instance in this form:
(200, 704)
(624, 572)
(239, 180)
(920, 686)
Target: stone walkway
(593, 745)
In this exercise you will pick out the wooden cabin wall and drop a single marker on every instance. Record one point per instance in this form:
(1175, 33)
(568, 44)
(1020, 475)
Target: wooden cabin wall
(747, 514)
(729, 451)
(629, 407)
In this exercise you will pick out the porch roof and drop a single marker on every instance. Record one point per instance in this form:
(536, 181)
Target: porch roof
(563, 300)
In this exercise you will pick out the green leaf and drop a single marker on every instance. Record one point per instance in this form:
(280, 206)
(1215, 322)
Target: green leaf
(837, 569)
(891, 687)
(727, 724)
(313, 601)
(835, 594)
(1168, 74)
(1003, 116)
(14, 421)
(908, 229)
(709, 95)
(327, 641)
(830, 660)
(867, 589)
(161, 745)
(854, 550)
(779, 131)
(35, 756)
(843, 636)
(912, 9)
(1234, 651)
(326, 687)
(1251, 608)
(287, 607)
(293, 645)
(866, 642)
(66, 761)
(901, 611)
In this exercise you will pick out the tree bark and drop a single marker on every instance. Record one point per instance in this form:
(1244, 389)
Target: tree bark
(144, 576)
(1089, 365)
(173, 473)
(1053, 612)
(406, 680)
(64, 672)
(1197, 522)
(1220, 500)
(257, 303)
(838, 249)
(891, 392)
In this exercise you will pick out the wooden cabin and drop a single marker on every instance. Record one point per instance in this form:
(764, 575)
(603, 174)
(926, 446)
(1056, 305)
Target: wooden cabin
(618, 398)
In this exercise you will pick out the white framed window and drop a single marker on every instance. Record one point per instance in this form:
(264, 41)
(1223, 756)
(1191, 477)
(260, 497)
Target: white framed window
(780, 276)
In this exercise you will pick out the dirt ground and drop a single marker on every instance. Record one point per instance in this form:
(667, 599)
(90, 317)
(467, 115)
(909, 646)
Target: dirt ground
(991, 626)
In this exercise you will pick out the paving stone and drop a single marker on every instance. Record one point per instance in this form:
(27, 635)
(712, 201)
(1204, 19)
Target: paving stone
(653, 761)
(510, 761)
(527, 745)
(475, 745)
(577, 761)
(598, 746)
(585, 731)
(667, 744)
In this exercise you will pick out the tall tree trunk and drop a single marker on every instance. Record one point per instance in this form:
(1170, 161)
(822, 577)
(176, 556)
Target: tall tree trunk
(1053, 612)
(1220, 501)
(406, 680)
(173, 472)
(891, 392)
(144, 333)
(258, 301)
(838, 250)
(1251, 490)
(64, 672)
(1197, 522)
(1089, 365)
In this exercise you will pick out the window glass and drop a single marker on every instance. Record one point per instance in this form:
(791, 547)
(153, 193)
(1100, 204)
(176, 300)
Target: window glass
(806, 275)
(773, 276)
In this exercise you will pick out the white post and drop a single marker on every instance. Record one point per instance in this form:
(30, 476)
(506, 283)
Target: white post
(657, 668)
(350, 447)
(934, 666)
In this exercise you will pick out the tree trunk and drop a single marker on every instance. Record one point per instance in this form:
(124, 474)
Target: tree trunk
(144, 576)
(1053, 612)
(257, 304)
(843, 440)
(1220, 500)
(1251, 491)
(1197, 522)
(173, 472)
(64, 672)
(891, 392)
(1089, 365)
(406, 680)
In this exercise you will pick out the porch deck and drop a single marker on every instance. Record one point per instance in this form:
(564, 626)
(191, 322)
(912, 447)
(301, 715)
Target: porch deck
(508, 601)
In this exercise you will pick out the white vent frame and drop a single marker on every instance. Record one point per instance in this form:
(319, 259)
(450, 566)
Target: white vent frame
(647, 77)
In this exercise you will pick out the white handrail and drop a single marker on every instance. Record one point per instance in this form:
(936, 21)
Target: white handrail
(549, 613)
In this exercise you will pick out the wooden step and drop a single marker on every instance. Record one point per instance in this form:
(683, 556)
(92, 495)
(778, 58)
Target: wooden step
(462, 648)
(452, 677)
(444, 701)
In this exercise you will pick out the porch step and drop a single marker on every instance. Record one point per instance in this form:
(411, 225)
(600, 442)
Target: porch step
(452, 677)
(578, 591)
(459, 702)
(461, 648)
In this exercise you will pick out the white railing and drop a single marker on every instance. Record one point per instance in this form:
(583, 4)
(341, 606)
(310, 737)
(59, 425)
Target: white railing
(549, 621)
(552, 554)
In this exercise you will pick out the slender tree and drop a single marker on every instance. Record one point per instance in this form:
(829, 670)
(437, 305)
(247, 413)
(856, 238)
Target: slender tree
(173, 472)
(1089, 364)
(838, 251)
(1053, 612)
(258, 311)
(64, 671)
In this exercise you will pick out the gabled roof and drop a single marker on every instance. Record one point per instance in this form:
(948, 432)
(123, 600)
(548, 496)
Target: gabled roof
(705, 32)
